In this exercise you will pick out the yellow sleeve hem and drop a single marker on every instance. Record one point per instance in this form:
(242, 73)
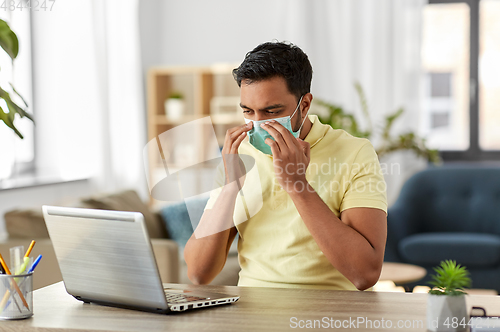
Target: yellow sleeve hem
(369, 203)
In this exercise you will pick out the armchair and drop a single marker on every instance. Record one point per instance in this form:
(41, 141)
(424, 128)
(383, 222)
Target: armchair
(449, 212)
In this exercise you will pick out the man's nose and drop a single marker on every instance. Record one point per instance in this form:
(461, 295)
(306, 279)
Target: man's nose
(258, 116)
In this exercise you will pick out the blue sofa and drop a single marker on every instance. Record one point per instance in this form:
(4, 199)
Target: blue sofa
(449, 212)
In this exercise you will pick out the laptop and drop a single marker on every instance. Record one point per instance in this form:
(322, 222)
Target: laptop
(106, 258)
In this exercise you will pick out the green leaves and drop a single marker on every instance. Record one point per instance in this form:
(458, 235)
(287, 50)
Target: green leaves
(8, 40)
(176, 95)
(338, 118)
(9, 121)
(13, 107)
(10, 44)
(389, 121)
(450, 279)
(364, 104)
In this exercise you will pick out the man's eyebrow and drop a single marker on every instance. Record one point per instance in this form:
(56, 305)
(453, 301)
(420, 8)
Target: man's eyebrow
(270, 107)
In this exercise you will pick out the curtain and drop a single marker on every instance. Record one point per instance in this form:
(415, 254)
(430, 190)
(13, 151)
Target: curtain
(116, 33)
(89, 104)
(375, 43)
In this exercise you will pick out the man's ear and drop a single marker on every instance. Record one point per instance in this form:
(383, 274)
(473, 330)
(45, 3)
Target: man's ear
(305, 104)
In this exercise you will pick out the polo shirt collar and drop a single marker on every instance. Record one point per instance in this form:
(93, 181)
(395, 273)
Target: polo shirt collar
(317, 131)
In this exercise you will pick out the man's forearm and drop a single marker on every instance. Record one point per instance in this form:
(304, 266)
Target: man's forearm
(206, 251)
(346, 249)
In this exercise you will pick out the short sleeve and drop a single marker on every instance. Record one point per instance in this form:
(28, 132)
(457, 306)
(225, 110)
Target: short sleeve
(366, 187)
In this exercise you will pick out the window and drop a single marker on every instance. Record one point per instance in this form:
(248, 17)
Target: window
(440, 100)
(18, 156)
(460, 52)
(489, 74)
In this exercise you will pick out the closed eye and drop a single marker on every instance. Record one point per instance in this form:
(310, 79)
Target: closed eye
(267, 112)
(271, 112)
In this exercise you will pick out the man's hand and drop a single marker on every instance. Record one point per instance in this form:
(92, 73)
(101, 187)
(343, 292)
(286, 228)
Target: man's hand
(291, 157)
(233, 165)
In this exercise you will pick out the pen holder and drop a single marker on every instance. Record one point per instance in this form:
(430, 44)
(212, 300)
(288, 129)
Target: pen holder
(16, 293)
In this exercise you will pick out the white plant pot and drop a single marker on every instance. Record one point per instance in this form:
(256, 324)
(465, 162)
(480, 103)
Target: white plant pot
(174, 108)
(446, 313)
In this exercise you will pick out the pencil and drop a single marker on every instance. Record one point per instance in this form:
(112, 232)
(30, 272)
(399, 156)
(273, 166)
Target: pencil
(4, 300)
(7, 293)
(6, 268)
(28, 252)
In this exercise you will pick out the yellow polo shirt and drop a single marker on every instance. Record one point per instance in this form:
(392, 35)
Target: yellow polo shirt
(275, 248)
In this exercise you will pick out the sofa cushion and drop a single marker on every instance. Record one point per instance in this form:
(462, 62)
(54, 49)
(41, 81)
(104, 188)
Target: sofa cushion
(179, 222)
(469, 249)
(26, 224)
(129, 200)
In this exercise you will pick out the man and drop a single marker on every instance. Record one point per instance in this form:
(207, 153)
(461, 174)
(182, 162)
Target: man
(322, 221)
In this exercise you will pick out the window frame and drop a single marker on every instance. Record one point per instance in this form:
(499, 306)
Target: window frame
(474, 152)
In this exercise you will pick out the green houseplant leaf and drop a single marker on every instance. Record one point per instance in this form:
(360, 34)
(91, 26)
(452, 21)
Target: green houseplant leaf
(364, 105)
(450, 279)
(17, 93)
(176, 95)
(8, 40)
(339, 119)
(5, 117)
(13, 107)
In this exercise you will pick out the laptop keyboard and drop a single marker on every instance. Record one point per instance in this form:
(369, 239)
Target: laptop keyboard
(181, 298)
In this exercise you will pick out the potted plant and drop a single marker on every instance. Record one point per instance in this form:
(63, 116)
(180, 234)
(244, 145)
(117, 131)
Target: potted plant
(174, 105)
(446, 305)
(338, 118)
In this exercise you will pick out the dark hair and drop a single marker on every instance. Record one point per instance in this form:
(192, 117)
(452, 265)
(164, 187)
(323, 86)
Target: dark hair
(273, 59)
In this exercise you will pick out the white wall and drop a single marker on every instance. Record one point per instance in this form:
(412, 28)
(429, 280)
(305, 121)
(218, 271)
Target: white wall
(192, 32)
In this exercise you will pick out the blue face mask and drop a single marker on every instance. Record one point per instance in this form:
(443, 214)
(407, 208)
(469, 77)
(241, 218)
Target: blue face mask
(258, 135)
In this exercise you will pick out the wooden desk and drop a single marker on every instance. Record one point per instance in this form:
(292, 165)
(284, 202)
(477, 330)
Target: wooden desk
(402, 273)
(259, 309)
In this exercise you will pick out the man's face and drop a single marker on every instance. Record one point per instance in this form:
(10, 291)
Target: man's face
(268, 99)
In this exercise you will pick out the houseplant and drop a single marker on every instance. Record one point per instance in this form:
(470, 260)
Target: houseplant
(446, 305)
(174, 105)
(10, 44)
(338, 118)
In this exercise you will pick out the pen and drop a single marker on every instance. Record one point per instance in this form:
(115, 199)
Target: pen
(6, 268)
(35, 263)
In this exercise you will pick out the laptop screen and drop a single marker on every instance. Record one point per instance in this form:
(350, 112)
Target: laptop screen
(105, 256)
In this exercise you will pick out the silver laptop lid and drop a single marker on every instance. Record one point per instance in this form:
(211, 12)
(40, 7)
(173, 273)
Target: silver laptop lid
(105, 256)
